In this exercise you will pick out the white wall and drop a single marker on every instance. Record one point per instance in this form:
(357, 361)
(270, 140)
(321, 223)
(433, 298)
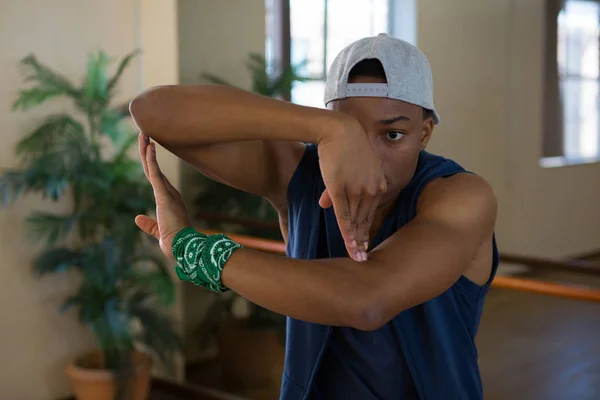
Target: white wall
(486, 57)
(556, 209)
(36, 342)
(216, 37)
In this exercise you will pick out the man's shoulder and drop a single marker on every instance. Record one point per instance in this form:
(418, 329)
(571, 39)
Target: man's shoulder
(463, 195)
(463, 182)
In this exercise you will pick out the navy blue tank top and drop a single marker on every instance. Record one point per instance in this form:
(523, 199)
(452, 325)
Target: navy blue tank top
(427, 352)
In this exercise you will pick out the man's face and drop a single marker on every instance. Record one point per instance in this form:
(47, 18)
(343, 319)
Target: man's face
(396, 131)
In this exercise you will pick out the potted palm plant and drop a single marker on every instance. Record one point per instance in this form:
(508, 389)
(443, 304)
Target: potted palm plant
(125, 287)
(250, 348)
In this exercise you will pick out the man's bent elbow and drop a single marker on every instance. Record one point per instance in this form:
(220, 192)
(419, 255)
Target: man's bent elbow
(145, 111)
(368, 316)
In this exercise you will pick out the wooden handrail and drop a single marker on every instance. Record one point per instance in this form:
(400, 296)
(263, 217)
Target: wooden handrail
(547, 288)
(253, 223)
(254, 243)
(505, 282)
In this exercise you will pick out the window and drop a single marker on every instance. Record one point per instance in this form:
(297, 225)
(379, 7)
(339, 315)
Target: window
(319, 30)
(578, 61)
(579, 72)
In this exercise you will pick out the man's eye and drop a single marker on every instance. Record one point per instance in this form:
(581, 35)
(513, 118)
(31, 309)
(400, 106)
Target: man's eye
(394, 135)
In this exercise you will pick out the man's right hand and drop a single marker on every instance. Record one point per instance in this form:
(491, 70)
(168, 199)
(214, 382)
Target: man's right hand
(354, 183)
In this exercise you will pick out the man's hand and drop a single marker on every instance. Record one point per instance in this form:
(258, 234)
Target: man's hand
(354, 184)
(171, 213)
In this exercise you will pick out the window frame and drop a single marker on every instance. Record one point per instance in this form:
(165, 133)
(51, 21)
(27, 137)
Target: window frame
(554, 136)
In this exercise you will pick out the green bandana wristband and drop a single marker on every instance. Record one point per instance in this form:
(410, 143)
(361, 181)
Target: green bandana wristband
(189, 241)
(182, 275)
(217, 250)
(201, 258)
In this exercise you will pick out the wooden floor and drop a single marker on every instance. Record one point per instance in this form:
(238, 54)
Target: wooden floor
(535, 347)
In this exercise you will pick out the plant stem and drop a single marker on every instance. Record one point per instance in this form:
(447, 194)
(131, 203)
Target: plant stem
(93, 134)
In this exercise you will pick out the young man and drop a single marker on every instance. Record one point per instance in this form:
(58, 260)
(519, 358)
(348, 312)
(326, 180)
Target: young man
(391, 249)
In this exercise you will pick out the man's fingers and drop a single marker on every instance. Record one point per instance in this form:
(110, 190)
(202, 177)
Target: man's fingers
(148, 225)
(325, 200)
(342, 214)
(363, 225)
(367, 219)
(155, 175)
(143, 144)
(143, 141)
(355, 201)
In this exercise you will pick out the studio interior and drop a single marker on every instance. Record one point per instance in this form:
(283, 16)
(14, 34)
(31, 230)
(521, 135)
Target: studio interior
(517, 86)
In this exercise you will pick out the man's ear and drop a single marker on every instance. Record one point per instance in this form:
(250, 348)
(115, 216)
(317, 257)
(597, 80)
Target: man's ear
(426, 131)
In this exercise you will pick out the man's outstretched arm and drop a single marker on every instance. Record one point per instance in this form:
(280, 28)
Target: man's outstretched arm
(193, 115)
(419, 262)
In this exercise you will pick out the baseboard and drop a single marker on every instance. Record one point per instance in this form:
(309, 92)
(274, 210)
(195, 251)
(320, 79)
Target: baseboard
(191, 392)
(166, 389)
(591, 255)
(201, 362)
(510, 269)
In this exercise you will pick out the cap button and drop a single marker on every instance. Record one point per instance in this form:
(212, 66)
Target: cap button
(383, 34)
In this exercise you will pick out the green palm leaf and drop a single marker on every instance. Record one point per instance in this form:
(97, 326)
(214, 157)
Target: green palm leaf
(56, 260)
(12, 184)
(157, 280)
(57, 133)
(112, 82)
(71, 302)
(91, 299)
(214, 79)
(257, 66)
(157, 331)
(95, 87)
(49, 84)
(54, 151)
(122, 146)
(47, 175)
(49, 228)
(109, 124)
(113, 125)
(284, 81)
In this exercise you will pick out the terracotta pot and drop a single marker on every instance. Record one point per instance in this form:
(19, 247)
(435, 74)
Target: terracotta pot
(90, 381)
(250, 358)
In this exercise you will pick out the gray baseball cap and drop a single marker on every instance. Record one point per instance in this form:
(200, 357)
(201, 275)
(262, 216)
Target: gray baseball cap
(408, 73)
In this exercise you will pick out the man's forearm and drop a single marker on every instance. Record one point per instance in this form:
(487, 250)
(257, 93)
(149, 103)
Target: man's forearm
(332, 291)
(207, 114)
